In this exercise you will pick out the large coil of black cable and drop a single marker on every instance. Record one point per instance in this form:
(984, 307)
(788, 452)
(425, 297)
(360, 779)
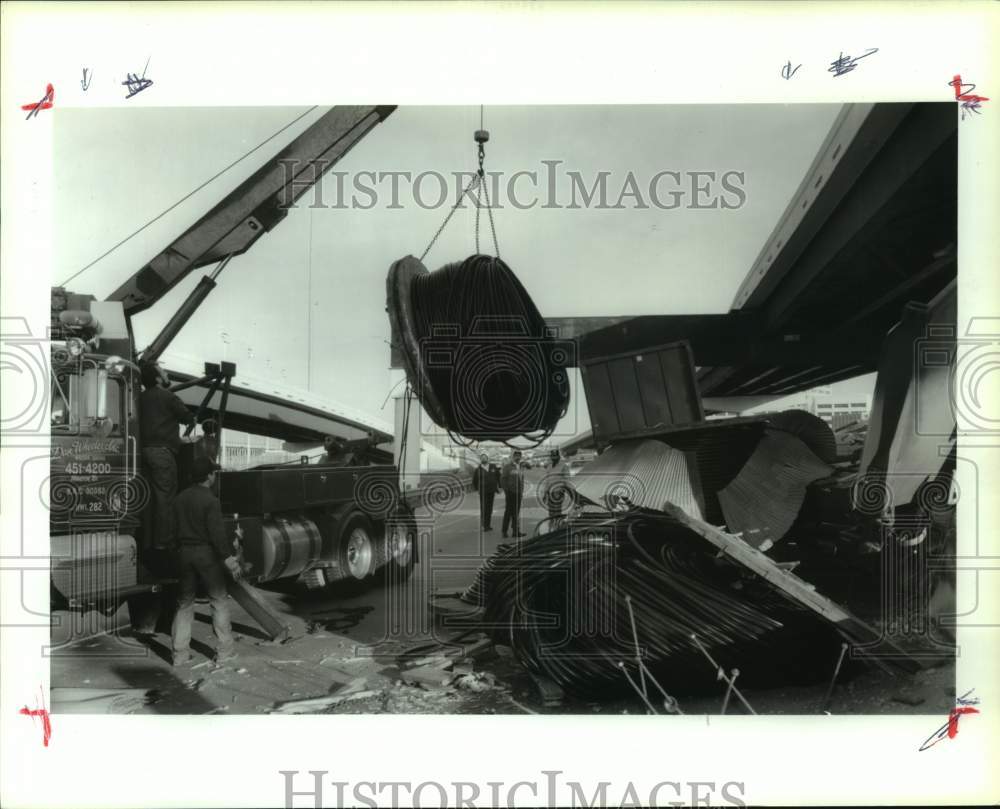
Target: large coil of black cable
(476, 349)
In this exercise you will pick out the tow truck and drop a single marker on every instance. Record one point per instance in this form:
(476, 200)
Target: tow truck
(316, 524)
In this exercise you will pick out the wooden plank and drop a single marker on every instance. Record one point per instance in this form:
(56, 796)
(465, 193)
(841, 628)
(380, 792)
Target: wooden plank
(253, 602)
(866, 640)
(791, 585)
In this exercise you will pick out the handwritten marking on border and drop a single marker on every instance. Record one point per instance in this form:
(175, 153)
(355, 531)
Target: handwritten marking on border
(135, 83)
(788, 71)
(43, 714)
(45, 104)
(949, 730)
(970, 101)
(845, 64)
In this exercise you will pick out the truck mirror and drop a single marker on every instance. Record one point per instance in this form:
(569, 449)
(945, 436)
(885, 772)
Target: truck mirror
(101, 405)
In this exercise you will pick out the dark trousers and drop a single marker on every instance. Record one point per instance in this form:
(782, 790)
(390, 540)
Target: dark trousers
(152, 612)
(161, 473)
(201, 562)
(486, 508)
(512, 512)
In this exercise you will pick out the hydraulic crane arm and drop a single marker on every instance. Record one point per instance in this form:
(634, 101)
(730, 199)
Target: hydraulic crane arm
(254, 207)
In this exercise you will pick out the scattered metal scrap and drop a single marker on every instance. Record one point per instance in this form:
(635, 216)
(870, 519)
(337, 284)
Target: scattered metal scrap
(101, 700)
(337, 619)
(559, 601)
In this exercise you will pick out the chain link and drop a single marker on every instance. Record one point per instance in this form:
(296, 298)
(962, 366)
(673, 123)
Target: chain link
(451, 213)
(489, 212)
(479, 206)
(479, 182)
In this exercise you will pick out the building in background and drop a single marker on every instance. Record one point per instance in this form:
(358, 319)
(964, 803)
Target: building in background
(837, 410)
(239, 450)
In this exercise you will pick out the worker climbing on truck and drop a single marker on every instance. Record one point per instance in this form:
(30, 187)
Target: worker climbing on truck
(206, 555)
(161, 414)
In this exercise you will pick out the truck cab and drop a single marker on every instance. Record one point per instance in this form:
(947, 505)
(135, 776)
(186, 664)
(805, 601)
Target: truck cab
(96, 493)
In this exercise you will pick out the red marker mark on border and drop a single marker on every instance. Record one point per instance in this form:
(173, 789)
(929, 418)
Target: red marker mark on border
(43, 714)
(970, 101)
(45, 104)
(949, 730)
(961, 95)
(953, 716)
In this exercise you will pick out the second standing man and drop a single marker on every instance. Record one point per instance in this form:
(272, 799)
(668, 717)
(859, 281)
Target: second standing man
(512, 480)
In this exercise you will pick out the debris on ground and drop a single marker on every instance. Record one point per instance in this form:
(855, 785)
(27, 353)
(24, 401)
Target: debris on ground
(101, 700)
(428, 660)
(476, 682)
(354, 691)
(352, 687)
(908, 697)
(430, 675)
(464, 667)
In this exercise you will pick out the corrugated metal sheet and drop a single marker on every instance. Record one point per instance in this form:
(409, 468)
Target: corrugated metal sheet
(764, 499)
(647, 472)
(815, 432)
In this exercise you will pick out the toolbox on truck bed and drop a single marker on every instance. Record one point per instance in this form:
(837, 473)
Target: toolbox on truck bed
(293, 488)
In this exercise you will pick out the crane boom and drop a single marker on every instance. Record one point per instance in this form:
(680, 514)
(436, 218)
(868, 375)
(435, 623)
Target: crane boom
(254, 207)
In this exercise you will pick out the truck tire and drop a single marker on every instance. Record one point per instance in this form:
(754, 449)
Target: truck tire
(357, 550)
(401, 545)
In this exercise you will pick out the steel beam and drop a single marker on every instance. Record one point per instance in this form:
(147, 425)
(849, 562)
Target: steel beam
(924, 131)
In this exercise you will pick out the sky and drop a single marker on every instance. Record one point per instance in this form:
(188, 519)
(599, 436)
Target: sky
(305, 306)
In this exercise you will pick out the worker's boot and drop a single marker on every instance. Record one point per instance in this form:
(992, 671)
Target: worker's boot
(225, 654)
(182, 658)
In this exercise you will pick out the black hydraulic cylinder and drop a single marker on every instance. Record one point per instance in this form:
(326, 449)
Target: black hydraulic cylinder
(178, 321)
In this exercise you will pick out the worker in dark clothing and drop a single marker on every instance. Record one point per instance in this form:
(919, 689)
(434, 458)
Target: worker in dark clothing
(206, 555)
(341, 452)
(512, 481)
(333, 450)
(160, 415)
(486, 481)
(209, 443)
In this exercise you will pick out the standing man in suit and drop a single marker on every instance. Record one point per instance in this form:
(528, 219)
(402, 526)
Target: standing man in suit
(512, 480)
(486, 481)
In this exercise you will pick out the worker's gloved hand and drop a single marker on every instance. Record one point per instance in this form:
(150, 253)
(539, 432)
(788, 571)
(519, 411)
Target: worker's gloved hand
(233, 565)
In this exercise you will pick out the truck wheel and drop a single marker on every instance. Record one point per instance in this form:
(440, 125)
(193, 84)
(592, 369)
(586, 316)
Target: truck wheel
(401, 543)
(357, 549)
